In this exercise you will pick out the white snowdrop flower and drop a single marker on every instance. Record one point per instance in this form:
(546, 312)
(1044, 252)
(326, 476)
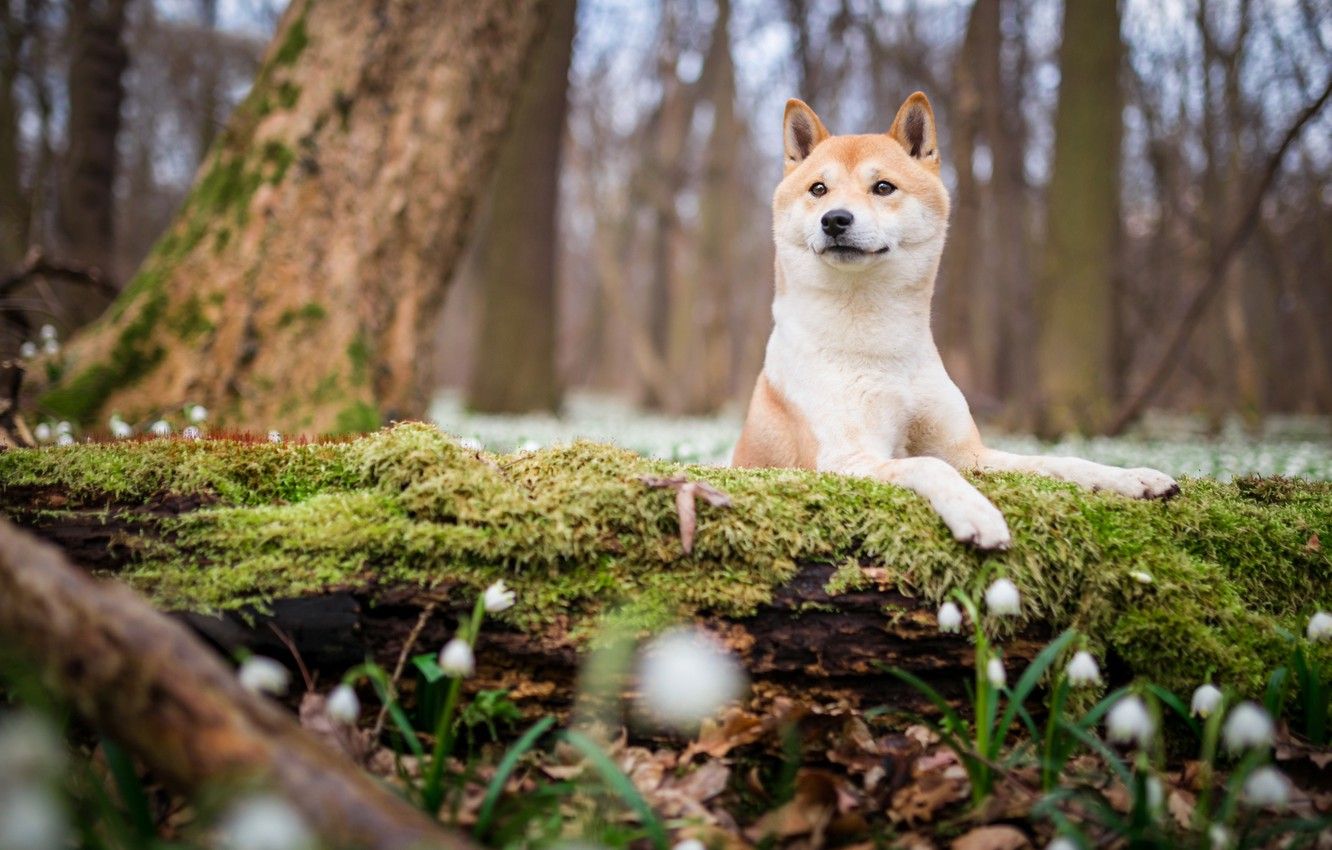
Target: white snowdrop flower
(950, 617)
(1248, 727)
(1266, 786)
(65, 440)
(1155, 794)
(48, 332)
(42, 433)
(472, 444)
(32, 819)
(1130, 722)
(191, 432)
(63, 427)
(685, 676)
(1320, 627)
(1082, 670)
(456, 658)
(274, 436)
(1141, 577)
(690, 844)
(262, 675)
(120, 429)
(498, 598)
(1002, 598)
(1219, 837)
(265, 823)
(994, 671)
(1062, 842)
(343, 706)
(1206, 699)
(529, 446)
(28, 350)
(161, 428)
(197, 413)
(51, 347)
(29, 748)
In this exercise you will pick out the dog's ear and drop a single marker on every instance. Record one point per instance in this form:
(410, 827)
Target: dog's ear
(913, 128)
(801, 131)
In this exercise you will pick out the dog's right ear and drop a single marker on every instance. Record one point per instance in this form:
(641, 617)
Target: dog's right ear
(801, 131)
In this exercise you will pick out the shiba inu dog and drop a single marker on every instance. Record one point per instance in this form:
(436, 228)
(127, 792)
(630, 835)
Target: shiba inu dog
(852, 382)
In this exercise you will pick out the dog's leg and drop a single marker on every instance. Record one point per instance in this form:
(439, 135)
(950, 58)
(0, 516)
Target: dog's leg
(970, 516)
(1137, 483)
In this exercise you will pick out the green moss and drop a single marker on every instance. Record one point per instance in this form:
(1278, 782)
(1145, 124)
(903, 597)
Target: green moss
(578, 536)
(293, 45)
(188, 320)
(849, 576)
(308, 313)
(357, 418)
(287, 94)
(358, 352)
(280, 158)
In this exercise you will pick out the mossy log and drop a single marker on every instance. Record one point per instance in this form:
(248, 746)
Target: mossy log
(150, 684)
(816, 579)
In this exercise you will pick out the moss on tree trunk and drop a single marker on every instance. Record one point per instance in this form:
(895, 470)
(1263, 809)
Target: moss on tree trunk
(295, 286)
(219, 525)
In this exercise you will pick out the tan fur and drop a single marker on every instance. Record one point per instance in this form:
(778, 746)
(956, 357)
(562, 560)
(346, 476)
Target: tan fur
(775, 434)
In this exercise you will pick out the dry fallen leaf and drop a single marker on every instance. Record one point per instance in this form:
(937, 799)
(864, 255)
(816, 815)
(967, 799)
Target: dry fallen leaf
(1000, 837)
(686, 491)
(737, 728)
(808, 813)
(1180, 804)
(918, 801)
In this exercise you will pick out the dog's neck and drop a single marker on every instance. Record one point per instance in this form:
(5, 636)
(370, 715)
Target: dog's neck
(870, 313)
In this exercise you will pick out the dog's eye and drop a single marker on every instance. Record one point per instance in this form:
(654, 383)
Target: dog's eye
(818, 190)
(883, 187)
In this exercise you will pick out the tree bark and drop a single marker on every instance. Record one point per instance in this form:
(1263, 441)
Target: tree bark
(154, 687)
(298, 284)
(1083, 228)
(13, 211)
(85, 215)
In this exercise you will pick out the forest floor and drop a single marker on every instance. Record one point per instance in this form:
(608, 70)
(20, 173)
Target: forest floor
(1296, 446)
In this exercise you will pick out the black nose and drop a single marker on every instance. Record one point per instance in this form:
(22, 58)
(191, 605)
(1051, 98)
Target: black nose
(835, 222)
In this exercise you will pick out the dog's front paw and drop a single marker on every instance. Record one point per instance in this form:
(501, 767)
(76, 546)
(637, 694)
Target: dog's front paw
(972, 519)
(1143, 483)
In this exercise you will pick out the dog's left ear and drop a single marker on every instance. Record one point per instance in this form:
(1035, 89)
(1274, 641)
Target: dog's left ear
(913, 128)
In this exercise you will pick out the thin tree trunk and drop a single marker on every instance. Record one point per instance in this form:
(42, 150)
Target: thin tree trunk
(515, 369)
(1083, 228)
(297, 287)
(98, 59)
(13, 209)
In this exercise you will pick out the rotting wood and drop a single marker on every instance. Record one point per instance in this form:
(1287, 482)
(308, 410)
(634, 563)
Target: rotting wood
(153, 686)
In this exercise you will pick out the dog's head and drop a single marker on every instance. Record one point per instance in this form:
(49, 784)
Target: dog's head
(860, 203)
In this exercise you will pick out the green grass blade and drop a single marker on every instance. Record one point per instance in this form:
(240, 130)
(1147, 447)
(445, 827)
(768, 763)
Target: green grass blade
(1099, 747)
(1027, 681)
(622, 785)
(505, 768)
(1177, 705)
(1098, 711)
(130, 788)
(930, 694)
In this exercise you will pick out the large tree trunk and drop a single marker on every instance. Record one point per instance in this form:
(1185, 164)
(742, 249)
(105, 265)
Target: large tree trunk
(515, 369)
(85, 216)
(1083, 223)
(13, 214)
(297, 286)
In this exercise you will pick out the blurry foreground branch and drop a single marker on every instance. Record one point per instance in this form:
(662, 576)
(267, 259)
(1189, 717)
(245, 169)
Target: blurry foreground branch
(153, 686)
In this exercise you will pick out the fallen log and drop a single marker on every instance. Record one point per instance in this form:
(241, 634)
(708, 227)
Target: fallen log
(150, 684)
(816, 580)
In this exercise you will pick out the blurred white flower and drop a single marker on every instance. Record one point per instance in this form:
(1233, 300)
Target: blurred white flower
(262, 675)
(197, 413)
(32, 819)
(42, 433)
(1155, 794)
(1002, 598)
(1206, 699)
(63, 427)
(274, 436)
(1141, 577)
(120, 429)
(264, 823)
(1062, 843)
(48, 332)
(65, 440)
(28, 350)
(529, 446)
(1266, 786)
(456, 658)
(1082, 670)
(472, 444)
(685, 675)
(1219, 837)
(51, 347)
(30, 748)
(1248, 727)
(994, 671)
(191, 432)
(161, 428)
(690, 844)
(950, 617)
(343, 706)
(498, 598)
(1320, 627)
(1130, 722)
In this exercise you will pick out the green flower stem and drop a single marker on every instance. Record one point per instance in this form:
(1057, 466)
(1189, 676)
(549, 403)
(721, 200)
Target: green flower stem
(433, 792)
